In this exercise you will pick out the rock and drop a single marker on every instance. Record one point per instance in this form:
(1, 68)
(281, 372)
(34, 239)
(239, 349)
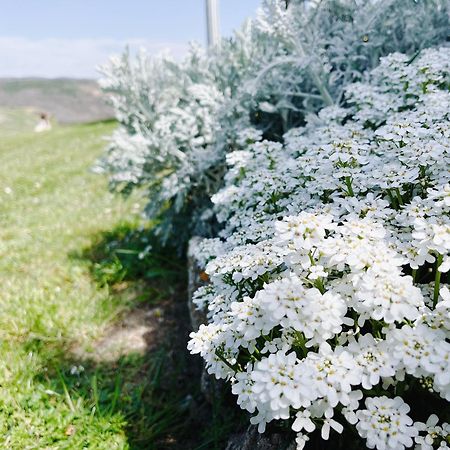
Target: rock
(250, 439)
(195, 272)
(209, 386)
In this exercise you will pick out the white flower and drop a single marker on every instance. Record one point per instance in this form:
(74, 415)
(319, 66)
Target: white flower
(385, 424)
(301, 441)
(207, 341)
(76, 370)
(329, 424)
(445, 265)
(303, 422)
(333, 373)
(434, 434)
(317, 271)
(387, 296)
(246, 262)
(318, 316)
(304, 231)
(279, 383)
(374, 359)
(417, 349)
(439, 317)
(243, 388)
(248, 320)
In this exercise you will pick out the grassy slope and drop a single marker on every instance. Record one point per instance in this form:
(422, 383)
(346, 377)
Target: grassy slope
(51, 208)
(16, 121)
(67, 100)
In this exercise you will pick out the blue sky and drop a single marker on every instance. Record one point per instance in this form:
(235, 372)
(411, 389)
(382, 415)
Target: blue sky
(53, 38)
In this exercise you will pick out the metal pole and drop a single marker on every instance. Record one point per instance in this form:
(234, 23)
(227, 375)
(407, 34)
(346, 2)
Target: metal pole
(212, 22)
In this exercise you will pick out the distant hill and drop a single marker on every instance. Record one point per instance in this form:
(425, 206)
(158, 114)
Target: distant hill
(66, 100)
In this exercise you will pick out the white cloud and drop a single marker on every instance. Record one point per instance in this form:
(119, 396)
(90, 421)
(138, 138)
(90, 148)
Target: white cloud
(78, 58)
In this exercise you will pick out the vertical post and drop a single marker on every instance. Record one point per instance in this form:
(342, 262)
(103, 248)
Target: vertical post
(212, 22)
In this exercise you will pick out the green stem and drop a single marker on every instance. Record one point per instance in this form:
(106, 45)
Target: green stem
(300, 343)
(319, 285)
(437, 280)
(399, 197)
(414, 275)
(221, 357)
(348, 183)
(392, 199)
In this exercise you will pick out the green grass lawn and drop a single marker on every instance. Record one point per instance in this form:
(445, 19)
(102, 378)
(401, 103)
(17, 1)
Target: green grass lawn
(16, 121)
(69, 273)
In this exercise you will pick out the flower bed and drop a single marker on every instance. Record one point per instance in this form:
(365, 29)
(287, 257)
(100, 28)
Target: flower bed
(328, 304)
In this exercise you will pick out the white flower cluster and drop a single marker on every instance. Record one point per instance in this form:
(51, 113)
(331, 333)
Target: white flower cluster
(329, 304)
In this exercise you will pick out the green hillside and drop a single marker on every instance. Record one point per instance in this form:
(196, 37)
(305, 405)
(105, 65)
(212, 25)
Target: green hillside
(65, 100)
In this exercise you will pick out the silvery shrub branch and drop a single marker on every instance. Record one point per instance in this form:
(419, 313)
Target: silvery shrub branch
(179, 120)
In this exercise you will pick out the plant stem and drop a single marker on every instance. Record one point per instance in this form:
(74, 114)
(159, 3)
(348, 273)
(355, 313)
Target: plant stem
(399, 197)
(392, 199)
(319, 285)
(348, 183)
(327, 99)
(223, 359)
(437, 280)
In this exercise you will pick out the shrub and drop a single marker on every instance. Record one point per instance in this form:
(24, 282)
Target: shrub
(179, 120)
(167, 115)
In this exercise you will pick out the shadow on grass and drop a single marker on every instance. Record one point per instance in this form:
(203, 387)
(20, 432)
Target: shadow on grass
(158, 405)
(139, 376)
(130, 253)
